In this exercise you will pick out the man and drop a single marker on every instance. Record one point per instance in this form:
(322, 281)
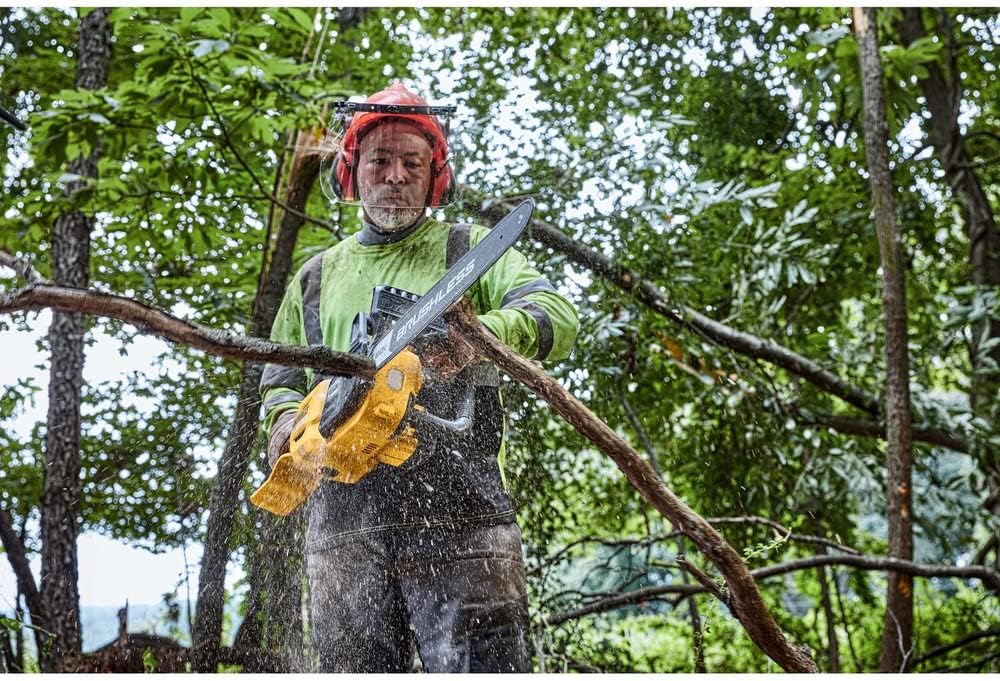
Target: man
(432, 545)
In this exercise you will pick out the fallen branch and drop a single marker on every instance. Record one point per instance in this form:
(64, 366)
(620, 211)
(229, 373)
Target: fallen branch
(748, 605)
(150, 320)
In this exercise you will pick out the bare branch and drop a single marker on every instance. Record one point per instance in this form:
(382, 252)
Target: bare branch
(706, 582)
(955, 645)
(804, 538)
(989, 578)
(21, 266)
(653, 593)
(214, 342)
(983, 133)
(854, 426)
(733, 520)
(875, 563)
(975, 664)
(19, 564)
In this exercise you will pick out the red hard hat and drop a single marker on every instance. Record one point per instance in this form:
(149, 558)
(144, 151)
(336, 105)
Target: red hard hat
(363, 122)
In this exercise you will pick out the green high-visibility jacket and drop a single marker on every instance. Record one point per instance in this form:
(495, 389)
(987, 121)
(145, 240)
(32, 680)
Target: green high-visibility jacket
(516, 303)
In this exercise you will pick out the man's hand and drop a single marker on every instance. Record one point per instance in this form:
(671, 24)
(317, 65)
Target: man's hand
(446, 359)
(281, 431)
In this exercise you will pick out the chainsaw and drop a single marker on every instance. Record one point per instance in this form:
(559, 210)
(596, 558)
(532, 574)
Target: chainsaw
(347, 425)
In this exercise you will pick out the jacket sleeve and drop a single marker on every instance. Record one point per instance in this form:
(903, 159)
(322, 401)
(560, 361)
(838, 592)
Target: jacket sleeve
(523, 309)
(281, 387)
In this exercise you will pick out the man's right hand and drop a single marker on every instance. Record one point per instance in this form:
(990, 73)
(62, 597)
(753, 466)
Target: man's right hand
(281, 431)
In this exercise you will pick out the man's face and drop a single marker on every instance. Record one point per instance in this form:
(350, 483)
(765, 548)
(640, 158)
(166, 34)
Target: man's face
(394, 175)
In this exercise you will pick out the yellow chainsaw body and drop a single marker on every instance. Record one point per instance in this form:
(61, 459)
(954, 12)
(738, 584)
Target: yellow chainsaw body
(369, 437)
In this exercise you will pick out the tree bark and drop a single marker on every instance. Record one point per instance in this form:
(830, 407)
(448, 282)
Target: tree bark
(897, 632)
(747, 604)
(943, 94)
(242, 432)
(59, 592)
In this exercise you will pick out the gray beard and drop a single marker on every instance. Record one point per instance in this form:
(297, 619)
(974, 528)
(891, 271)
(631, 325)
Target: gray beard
(392, 219)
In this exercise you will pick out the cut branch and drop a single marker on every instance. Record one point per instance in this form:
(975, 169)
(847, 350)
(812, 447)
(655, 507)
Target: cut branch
(150, 320)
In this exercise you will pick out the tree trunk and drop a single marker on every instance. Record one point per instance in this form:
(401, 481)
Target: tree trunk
(206, 638)
(897, 632)
(60, 598)
(13, 545)
(272, 629)
(943, 93)
(832, 649)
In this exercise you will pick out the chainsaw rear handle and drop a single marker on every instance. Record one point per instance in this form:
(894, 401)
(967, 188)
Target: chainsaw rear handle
(460, 425)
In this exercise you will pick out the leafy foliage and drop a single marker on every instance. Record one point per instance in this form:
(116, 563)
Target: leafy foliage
(718, 152)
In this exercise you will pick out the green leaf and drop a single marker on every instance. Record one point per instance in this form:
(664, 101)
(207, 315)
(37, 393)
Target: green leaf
(302, 19)
(148, 661)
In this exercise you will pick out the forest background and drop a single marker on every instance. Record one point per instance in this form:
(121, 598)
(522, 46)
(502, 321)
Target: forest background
(704, 198)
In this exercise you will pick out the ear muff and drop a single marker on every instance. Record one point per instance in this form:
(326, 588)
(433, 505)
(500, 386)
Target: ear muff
(442, 189)
(342, 178)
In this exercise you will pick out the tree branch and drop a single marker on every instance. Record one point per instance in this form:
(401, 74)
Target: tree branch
(854, 426)
(18, 559)
(21, 266)
(19, 564)
(947, 648)
(150, 320)
(874, 563)
(804, 538)
(748, 604)
(239, 159)
(734, 520)
(651, 295)
(706, 582)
